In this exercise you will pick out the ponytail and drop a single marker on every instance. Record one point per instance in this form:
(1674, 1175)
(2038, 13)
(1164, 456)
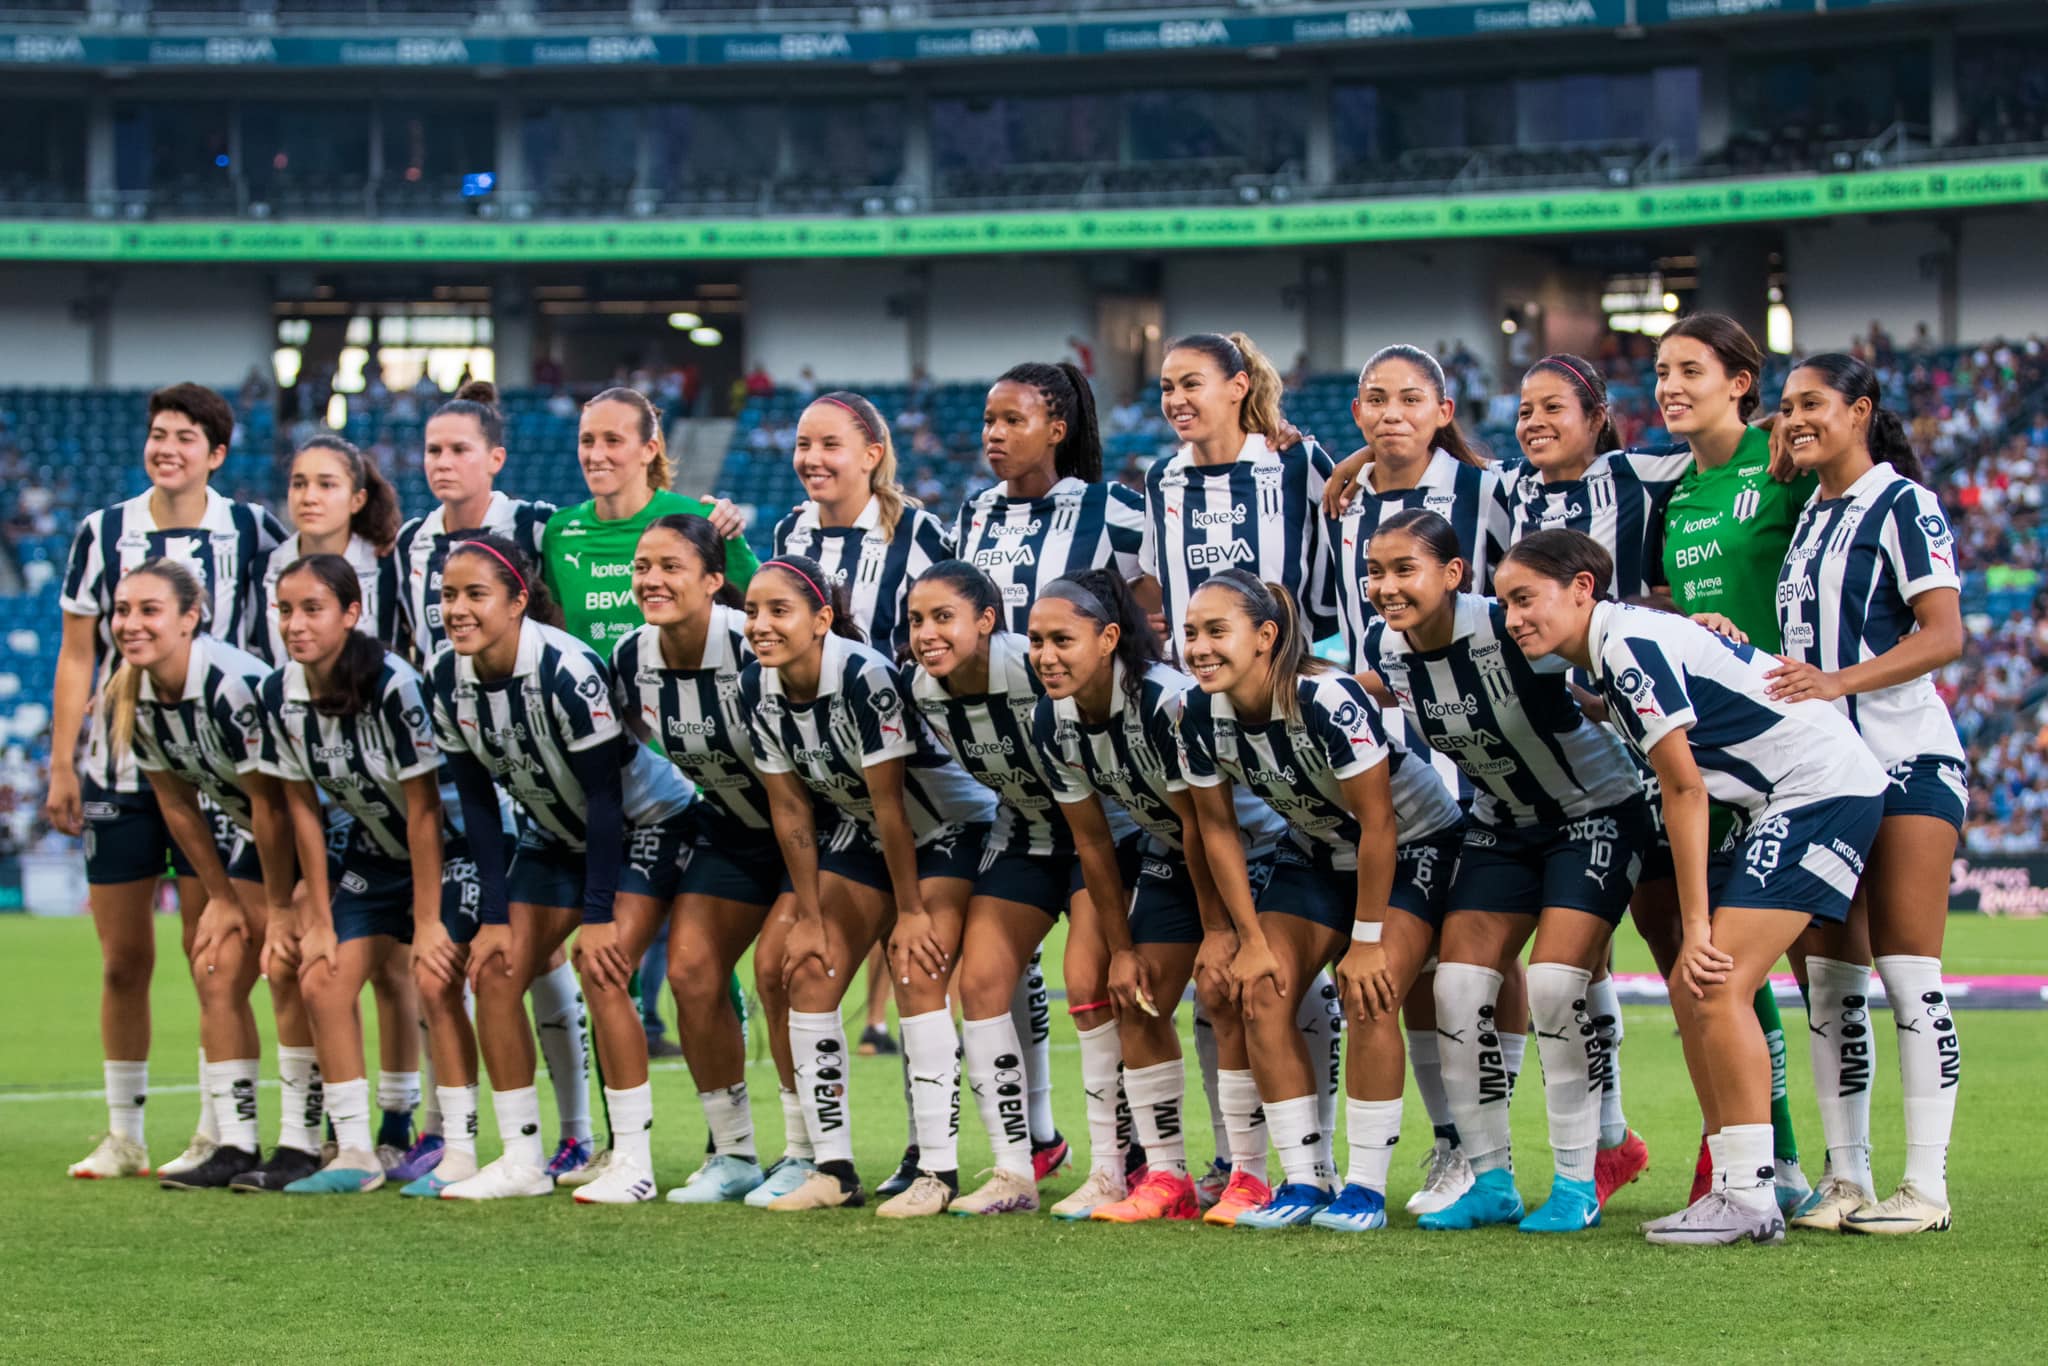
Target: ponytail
(1449, 438)
(710, 547)
(1561, 556)
(890, 498)
(1885, 438)
(1105, 599)
(513, 570)
(124, 687)
(659, 475)
(478, 400)
(1069, 399)
(360, 666)
(1292, 658)
(822, 589)
(1237, 354)
(376, 521)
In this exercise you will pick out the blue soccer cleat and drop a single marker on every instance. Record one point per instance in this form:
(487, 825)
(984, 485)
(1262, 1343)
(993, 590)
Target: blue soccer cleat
(340, 1180)
(785, 1176)
(1357, 1209)
(572, 1155)
(1293, 1204)
(722, 1178)
(1492, 1199)
(428, 1187)
(1572, 1207)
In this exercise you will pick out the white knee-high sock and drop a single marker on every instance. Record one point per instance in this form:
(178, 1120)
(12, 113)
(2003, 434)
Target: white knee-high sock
(1102, 1090)
(232, 1085)
(1844, 1052)
(1930, 1066)
(817, 1043)
(1031, 1016)
(1603, 1008)
(1371, 1129)
(430, 1086)
(1426, 1059)
(519, 1125)
(127, 1086)
(632, 1112)
(208, 1128)
(1292, 1124)
(349, 1107)
(301, 1102)
(458, 1118)
(1749, 1175)
(561, 1024)
(1244, 1122)
(1320, 1018)
(730, 1118)
(1156, 1094)
(932, 1051)
(995, 1074)
(796, 1133)
(1569, 1044)
(1474, 1062)
(1205, 1059)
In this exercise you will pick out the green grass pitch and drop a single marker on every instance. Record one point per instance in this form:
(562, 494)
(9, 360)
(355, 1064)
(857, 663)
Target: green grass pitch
(126, 1272)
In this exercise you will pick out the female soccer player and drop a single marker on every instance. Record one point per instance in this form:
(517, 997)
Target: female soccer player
(831, 724)
(1698, 707)
(975, 689)
(464, 451)
(1109, 719)
(519, 702)
(677, 685)
(1271, 718)
(1051, 513)
(340, 505)
(184, 705)
(127, 844)
(346, 719)
(1553, 850)
(1731, 514)
(1870, 607)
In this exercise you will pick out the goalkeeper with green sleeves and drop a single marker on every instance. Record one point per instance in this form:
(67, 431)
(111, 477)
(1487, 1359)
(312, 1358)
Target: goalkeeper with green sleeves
(1727, 528)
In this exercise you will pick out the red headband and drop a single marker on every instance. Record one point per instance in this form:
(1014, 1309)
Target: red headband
(858, 415)
(1586, 383)
(808, 581)
(517, 577)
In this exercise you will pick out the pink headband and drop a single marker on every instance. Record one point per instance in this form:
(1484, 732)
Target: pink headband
(1586, 383)
(785, 564)
(519, 578)
(858, 416)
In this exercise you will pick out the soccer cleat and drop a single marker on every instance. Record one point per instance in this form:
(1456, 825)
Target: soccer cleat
(1357, 1209)
(1293, 1204)
(624, 1182)
(1702, 1176)
(215, 1173)
(1244, 1193)
(1004, 1192)
(1790, 1185)
(113, 1156)
(424, 1155)
(577, 1163)
(1573, 1207)
(1717, 1221)
(1905, 1210)
(876, 1043)
(785, 1176)
(900, 1179)
(1615, 1167)
(1492, 1199)
(1162, 1194)
(1049, 1157)
(1103, 1187)
(925, 1196)
(1826, 1210)
(359, 1175)
(428, 1187)
(274, 1173)
(723, 1177)
(501, 1180)
(822, 1190)
(1446, 1175)
(1212, 1183)
(197, 1151)
(390, 1155)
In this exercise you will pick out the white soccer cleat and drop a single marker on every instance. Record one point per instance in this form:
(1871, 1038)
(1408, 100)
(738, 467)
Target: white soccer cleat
(624, 1182)
(1718, 1219)
(114, 1157)
(926, 1195)
(1825, 1210)
(1103, 1187)
(1446, 1176)
(1906, 1210)
(196, 1152)
(501, 1180)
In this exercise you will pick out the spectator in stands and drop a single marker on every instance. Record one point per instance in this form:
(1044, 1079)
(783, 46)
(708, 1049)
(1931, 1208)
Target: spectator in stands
(806, 385)
(255, 388)
(758, 382)
(1129, 415)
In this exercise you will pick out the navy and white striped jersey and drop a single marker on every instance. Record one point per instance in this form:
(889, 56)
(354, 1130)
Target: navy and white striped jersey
(222, 551)
(211, 734)
(378, 575)
(360, 763)
(1619, 502)
(877, 573)
(1662, 672)
(1511, 723)
(694, 717)
(1472, 498)
(1025, 543)
(1299, 767)
(989, 734)
(1133, 758)
(557, 701)
(1846, 595)
(1261, 512)
(860, 718)
(422, 550)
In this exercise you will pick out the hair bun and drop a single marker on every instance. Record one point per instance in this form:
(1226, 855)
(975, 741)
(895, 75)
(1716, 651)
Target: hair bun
(479, 391)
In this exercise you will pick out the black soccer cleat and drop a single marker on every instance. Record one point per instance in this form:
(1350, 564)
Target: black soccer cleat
(215, 1173)
(906, 1172)
(274, 1173)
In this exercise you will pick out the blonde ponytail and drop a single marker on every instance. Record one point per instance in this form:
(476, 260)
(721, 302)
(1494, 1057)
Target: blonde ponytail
(1292, 658)
(123, 691)
(890, 499)
(1261, 411)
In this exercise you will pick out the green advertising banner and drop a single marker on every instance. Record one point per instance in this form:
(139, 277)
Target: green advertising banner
(1694, 204)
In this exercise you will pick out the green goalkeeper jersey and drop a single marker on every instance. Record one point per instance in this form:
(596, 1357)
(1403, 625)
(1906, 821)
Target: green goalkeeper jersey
(589, 566)
(1726, 531)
